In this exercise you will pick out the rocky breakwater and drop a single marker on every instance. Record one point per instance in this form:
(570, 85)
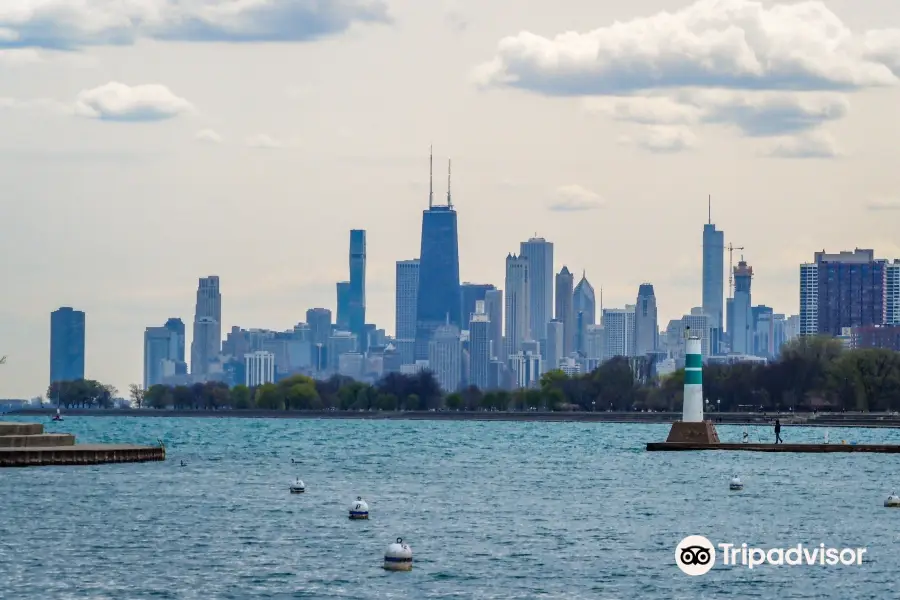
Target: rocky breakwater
(26, 445)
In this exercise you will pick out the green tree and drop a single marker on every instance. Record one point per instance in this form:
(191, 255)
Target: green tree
(241, 397)
(387, 402)
(270, 397)
(158, 397)
(136, 393)
(454, 401)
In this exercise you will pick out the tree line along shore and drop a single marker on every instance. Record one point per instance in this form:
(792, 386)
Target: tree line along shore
(813, 374)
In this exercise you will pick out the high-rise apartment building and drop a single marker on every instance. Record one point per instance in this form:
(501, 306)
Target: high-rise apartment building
(850, 291)
(493, 307)
(565, 309)
(259, 368)
(740, 329)
(892, 293)
(618, 329)
(538, 253)
(356, 302)
(555, 344)
(517, 288)
(67, 345)
(584, 304)
(438, 298)
(809, 299)
(479, 346)
(405, 296)
(714, 280)
(646, 325)
(207, 340)
(445, 357)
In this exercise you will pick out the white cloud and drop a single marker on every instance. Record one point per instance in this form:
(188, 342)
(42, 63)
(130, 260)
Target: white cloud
(569, 198)
(883, 45)
(808, 145)
(757, 113)
(262, 140)
(209, 136)
(711, 43)
(69, 24)
(116, 101)
(662, 139)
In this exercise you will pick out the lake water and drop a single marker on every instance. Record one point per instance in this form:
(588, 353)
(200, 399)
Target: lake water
(491, 510)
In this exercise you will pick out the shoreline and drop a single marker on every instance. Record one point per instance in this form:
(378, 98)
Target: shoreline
(871, 420)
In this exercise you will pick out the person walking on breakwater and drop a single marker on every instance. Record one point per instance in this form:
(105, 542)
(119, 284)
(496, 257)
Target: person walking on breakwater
(778, 439)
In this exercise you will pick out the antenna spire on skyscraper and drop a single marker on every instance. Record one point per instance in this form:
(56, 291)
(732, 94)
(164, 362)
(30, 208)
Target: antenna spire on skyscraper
(709, 208)
(449, 201)
(430, 176)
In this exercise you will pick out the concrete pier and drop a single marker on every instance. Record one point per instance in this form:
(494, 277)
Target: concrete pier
(26, 445)
(805, 448)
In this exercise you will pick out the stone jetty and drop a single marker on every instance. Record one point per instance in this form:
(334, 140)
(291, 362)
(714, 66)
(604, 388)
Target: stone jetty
(26, 445)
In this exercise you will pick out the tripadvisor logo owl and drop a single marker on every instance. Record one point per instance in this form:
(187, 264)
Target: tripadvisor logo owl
(695, 555)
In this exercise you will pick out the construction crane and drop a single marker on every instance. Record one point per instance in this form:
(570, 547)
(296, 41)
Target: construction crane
(731, 249)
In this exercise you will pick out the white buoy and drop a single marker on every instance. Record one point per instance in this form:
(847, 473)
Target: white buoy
(736, 484)
(893, 501)
(299, 487)
(826, 437)
(398, 557)
(359, 509)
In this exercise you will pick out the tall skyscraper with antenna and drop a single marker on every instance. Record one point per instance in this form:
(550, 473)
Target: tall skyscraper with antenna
(438, 301)
(713, 279)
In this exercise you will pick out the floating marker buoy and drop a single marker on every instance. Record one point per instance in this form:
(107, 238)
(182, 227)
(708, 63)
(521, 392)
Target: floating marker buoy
(299, 487)
(736, 484)
(359, 509)
(398, 557)
(893, 501)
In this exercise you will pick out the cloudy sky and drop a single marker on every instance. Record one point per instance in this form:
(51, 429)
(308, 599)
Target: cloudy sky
(150, 142)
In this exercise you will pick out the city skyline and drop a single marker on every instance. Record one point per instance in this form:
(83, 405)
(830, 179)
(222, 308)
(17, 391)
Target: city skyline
(161, 209)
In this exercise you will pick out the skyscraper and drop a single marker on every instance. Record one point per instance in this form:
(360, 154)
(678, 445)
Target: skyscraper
(356, 302)
(538, 252)
(405, 295)
(714, 280)
(493, 307)
(741, 332)
(438, 299)
(555, 342)
(809, 299)
(470, 294)
(176, 326)
(479, 346)
(618, 331)
(517, 288)
(67, 333)
(319, 321)
(445, 357)
(207, 340)
(646, 326)
(584, 304)
(850, 291)
(342, 319)
(565, 310)
(163, 352)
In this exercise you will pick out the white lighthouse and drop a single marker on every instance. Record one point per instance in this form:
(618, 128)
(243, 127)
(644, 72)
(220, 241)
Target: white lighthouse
(693, 382)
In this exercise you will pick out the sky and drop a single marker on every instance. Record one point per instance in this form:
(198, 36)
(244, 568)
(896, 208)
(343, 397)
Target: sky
(152, 142)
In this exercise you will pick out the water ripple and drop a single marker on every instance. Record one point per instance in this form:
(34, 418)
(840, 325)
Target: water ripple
(492, 510)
